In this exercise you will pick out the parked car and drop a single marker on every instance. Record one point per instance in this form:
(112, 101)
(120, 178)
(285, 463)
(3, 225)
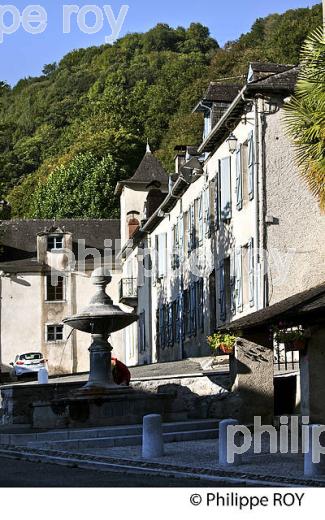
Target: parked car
(28, 364)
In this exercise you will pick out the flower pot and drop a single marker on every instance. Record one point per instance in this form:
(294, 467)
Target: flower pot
(226, 349)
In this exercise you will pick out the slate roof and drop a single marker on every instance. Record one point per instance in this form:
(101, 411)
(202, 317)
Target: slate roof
(295, 309)
(221, 92)
(283, 81)
(218, 93)
(262, 70)
(149, 170)
(18, 238)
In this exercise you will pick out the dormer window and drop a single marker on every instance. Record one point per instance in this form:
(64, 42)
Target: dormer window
(54, 242)
(207, 124)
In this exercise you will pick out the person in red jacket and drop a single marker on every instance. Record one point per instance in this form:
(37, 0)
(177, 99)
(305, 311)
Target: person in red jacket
(121, 373)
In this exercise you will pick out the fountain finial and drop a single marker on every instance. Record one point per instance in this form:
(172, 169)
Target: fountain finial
(101, 276)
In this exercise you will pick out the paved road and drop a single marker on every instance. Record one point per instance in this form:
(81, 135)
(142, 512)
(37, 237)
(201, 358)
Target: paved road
(17, 473)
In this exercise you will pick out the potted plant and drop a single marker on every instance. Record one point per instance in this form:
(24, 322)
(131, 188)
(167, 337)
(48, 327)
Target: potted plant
(224, 343)
(293, 340)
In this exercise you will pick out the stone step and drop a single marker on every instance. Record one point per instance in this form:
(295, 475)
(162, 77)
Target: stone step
(102, 432)
(124, 440)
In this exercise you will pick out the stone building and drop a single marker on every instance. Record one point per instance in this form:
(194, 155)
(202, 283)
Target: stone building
(232, 231)
(44, 277)
(237, 232)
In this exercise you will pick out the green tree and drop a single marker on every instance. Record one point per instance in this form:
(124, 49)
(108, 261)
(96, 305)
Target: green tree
(305, 114)
(82, 189)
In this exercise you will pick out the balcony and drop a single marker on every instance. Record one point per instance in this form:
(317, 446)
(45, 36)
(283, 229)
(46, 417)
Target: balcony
(129, 291)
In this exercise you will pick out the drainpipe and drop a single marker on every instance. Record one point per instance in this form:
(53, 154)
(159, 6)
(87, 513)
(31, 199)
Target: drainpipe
(262, 203)
(260, 245)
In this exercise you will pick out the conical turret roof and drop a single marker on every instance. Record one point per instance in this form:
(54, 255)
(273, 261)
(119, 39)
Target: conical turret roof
(149, 170)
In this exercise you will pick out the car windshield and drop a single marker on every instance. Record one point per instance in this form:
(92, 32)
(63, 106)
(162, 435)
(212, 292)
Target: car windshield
(31, 357)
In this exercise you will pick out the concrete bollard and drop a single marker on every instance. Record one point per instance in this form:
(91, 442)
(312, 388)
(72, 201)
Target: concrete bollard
(43, 376)
(314, 442)
(152, 437)
(223, 443)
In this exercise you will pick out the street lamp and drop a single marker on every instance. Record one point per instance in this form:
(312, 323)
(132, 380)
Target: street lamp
(232, 143)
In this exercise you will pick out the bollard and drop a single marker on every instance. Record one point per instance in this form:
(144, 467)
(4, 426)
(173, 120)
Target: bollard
(313, 449)
(223, 443)
(43, 376)
(152, 437)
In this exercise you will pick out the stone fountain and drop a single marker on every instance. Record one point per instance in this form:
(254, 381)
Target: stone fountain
(100, 319)
(100, 402)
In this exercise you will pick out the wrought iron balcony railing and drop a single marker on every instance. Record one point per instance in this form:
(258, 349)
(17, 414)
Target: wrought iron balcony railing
(128, 290)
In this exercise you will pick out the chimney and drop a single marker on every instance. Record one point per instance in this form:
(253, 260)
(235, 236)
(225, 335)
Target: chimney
(5, 210)
(180, 157)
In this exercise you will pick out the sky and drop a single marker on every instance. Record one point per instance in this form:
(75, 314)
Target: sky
(23, 54)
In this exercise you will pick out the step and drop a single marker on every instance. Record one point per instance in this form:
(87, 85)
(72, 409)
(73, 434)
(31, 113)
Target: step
(124, 440)
(103, 432)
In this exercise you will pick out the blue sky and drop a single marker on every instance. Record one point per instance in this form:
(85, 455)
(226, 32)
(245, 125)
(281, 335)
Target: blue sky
(23, 54)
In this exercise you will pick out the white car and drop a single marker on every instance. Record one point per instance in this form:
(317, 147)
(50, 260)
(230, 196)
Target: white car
(27, 364)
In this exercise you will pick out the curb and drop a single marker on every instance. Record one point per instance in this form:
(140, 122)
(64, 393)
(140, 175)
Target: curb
(84, 461)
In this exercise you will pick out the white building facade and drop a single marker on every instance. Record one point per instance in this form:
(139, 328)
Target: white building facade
(237, 231)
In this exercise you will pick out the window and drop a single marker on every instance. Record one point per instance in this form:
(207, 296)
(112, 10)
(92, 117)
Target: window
(161, 245)
(239, 278)
(175, 247)
(54, 333)
(225, 288)
(242, 182)
(54, 242)
(251, 166)
(225, 189)
(248, 274)
(55, 289)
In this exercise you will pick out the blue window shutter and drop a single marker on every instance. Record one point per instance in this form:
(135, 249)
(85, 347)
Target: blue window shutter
(173, 255)
(156, 257)
(193, 308)
(217, 199)
(178, 320)
(189, 235)
(193, 240)
(225, 186)
(161, 327)
(251, 166)
(239, 279)
(181, 237)
(233, 282)
(201, 208)
(162, 255)
(182, 315)
(170, 325)
(200, 300)
(222, 299)
(251, 271)
(239, 178)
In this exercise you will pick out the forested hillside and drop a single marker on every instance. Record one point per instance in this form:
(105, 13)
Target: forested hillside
(83, 124)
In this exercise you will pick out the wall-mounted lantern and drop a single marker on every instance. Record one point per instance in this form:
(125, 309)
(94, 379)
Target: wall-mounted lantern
(232, 143)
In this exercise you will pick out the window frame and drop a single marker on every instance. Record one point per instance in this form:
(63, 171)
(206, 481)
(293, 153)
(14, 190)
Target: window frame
(54, 326)
(55, 288)
(56, 238)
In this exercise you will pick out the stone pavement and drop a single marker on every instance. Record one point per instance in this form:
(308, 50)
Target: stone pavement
(202, 457)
